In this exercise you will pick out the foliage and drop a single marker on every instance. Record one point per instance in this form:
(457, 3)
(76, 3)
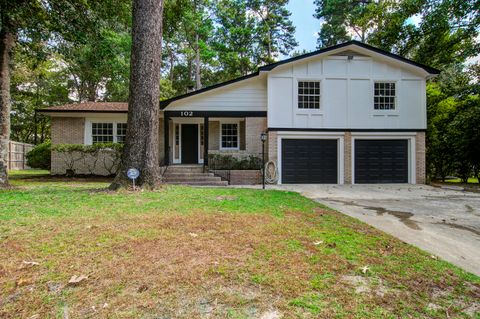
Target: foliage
(437, 33)
(453, 138)
(89, 156)
(230, 162)
(40, 156)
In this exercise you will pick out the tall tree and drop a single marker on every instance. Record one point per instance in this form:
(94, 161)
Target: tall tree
(436, 32)
(275, 30)
(235, 38)
(13, 16)
(6, 44)
(141, 148)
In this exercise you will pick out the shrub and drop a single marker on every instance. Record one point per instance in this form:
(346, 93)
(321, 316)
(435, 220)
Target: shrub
(229, 162)
(40, 156)
(89, 155)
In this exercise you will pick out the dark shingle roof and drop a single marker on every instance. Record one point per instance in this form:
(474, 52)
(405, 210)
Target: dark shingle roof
(102, 107)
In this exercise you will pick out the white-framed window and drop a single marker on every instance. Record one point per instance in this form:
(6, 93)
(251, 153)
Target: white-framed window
(121, 132)
(309, 95)
(230, 136)
(384, 96)
(108, 132)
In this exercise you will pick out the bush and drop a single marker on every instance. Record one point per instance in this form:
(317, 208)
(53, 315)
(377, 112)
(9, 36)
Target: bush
(88, 155)
(40, 156)
(229, 162)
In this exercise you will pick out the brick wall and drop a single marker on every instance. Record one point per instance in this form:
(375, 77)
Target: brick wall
(242, 177)
(254, 127)
(65, 130)
(420, 158)
(347, 168)
(213, 135)
(68, 130)
(272, 146)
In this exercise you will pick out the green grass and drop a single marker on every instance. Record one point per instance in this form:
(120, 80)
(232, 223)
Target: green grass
(471, 180)
(28, 173)
(183, 252)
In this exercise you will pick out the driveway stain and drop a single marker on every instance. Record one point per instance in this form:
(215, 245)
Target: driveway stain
(457, 226)
(404, 217)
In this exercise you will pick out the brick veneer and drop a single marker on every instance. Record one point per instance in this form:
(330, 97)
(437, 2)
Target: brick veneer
(65, 130)
(420, 158)
(68, 130)
(272, 146)
(347, 152)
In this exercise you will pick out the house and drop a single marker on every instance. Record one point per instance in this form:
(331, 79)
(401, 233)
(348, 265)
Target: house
(350, 113)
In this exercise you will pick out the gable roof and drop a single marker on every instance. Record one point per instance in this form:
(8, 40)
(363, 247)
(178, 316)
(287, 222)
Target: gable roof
(270, 67)
(98, 107)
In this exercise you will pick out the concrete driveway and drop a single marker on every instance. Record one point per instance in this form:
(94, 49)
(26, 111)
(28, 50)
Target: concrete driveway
(443, 222)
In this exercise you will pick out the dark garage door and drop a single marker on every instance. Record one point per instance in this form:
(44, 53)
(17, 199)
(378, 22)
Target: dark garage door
(309, 161)
(381, 161)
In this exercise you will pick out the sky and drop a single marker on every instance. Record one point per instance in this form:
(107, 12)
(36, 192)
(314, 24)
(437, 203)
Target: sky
(307, 26)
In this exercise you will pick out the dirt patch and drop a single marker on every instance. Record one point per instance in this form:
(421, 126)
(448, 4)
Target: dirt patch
(366, 285)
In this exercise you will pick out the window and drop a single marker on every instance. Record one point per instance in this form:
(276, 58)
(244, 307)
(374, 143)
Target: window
(102, 133)
(121, 132)
(309, 95)
(229, 137)
(108, 132)
(202, 141)
(177, 141)
(384, 96)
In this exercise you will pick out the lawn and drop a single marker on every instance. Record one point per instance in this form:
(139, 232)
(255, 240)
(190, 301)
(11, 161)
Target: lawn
(183, 252)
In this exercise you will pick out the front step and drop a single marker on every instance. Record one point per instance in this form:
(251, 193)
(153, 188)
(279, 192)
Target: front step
(191, 175)
(196, 183)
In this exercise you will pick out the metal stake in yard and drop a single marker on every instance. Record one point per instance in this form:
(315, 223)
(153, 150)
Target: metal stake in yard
(263, 138)
(133, 174)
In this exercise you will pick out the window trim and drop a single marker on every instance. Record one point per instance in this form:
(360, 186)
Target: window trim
(320, 81)
(385, 111)
(221, 134)
(88, 138)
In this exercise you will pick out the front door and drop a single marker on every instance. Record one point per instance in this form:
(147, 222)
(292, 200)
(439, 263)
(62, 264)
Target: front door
(189, 143)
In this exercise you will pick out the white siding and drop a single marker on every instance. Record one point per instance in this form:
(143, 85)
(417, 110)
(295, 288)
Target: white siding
(247, 95)
(347, 94)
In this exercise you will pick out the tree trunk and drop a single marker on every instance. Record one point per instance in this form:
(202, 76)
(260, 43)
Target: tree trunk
(141, 148)
(198, 81)
(6, 43)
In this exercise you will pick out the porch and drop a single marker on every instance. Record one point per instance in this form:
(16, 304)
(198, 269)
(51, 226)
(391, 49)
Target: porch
(190, 136)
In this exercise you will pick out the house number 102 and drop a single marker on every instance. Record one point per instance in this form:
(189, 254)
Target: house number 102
(186, 113)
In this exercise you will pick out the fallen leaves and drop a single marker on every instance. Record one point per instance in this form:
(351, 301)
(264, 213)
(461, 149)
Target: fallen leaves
(76, 280)
(365, 269)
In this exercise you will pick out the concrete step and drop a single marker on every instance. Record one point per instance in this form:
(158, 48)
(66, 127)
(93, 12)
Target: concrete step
(177, 174)
(197, 183)
(193, 179)
(173, 169)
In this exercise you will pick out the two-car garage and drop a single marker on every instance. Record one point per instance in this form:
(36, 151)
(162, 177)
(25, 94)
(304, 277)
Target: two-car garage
(321, 160)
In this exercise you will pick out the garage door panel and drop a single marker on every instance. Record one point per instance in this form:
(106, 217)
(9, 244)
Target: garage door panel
(381, 161)
(309, 161)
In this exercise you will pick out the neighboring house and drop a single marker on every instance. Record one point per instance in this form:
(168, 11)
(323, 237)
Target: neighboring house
(346, 114)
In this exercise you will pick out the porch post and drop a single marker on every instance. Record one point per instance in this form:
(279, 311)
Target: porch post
(166, 130)
(205, 141)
